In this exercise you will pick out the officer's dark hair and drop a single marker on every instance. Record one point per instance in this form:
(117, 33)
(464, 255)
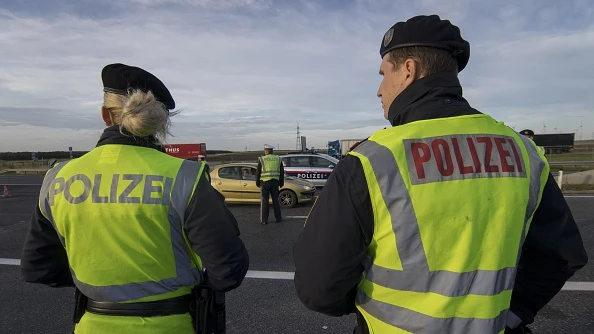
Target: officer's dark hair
(430, 60)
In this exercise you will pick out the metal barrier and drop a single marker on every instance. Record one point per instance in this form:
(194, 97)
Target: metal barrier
(571, 163)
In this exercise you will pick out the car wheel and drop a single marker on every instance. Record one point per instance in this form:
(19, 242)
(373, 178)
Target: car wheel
(287, 199)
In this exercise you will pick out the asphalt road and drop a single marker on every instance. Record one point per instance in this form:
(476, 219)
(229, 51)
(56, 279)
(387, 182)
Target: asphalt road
(259, 305)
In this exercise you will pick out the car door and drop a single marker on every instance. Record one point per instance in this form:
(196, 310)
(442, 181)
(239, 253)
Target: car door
(229, 182)
(321, 170)
(249, 190)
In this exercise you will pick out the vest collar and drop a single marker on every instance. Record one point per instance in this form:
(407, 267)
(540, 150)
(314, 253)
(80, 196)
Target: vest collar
(426, 99)
(112, 135)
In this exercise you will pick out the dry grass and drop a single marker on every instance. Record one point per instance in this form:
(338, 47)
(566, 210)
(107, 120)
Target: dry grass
(579, 187)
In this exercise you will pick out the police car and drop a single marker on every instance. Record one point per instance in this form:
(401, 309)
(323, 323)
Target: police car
(314, 167)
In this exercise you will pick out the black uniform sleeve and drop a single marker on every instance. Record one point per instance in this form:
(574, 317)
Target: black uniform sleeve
(44, 259)
(282, 176)
(258, 173)
(552, 253)
(213, 233)
(330, 250)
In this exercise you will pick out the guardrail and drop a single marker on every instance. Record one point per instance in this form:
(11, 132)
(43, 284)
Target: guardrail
(25, 170)
(571, 163)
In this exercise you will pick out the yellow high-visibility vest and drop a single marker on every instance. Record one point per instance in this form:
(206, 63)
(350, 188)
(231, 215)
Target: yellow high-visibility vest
(119, 212)
(270, 167)
(452, 201)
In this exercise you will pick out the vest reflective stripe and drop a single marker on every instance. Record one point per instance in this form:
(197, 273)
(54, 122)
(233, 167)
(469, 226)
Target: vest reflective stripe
(270, 167)
(44, 206)
(538, 178)
(415, 322)
(186, 273)
(410, 279)
(446, 283)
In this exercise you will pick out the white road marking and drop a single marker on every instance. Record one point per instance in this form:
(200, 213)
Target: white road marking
(19, 184)
(10, 262)
(289, 275)
(270, 274)
(578, 286)
(300, 217)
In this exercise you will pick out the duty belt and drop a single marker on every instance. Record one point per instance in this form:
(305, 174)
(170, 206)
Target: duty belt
(178, 305)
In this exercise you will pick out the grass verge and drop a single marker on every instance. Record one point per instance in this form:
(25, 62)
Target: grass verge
(579, 187)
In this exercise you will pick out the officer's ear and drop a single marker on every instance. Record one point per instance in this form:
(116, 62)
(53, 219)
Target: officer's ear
(106, 115)
(411, 71)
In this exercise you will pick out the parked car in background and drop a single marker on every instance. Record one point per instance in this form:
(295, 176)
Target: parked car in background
(314, 167)
(237, 183)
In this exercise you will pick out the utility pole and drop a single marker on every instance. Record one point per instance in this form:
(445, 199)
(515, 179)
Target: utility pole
(544, 127)
(298, 143)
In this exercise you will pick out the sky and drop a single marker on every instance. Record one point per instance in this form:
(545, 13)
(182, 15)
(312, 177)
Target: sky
(244, 73)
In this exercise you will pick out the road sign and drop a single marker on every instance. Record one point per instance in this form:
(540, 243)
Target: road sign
(70, 148)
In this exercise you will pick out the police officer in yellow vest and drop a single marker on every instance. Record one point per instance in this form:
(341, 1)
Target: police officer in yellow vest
(129, 226)
(530, 134)
(270, 177)
(202, 158)
(447, 222)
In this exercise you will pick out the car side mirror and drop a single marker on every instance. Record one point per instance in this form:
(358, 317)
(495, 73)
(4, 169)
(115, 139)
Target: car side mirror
(331, 166)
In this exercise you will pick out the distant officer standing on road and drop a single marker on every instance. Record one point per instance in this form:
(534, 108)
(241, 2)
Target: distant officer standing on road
(446, 222)
(202, 158)
(530, 134)
(130, 226)
(270, 177)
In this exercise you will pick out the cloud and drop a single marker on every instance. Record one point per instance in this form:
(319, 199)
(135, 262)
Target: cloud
(245, 72)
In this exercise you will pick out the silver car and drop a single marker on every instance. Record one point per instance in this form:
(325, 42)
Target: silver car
(314, 167)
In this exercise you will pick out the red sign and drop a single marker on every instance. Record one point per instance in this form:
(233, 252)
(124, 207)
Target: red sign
(186, 151)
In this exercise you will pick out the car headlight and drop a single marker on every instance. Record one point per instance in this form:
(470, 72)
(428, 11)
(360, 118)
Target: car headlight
(308, 188)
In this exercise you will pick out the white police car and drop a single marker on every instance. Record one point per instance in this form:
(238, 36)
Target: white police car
(314, 167)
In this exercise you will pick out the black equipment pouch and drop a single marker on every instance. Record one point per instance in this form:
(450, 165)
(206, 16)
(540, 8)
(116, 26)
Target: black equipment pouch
(208, 307)
(80, 305)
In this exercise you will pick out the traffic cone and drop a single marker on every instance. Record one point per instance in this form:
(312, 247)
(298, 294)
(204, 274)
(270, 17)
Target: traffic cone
(6, 193)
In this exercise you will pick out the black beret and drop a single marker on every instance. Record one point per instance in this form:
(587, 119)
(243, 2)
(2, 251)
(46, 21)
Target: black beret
(527, 132)
(119, 78)
(427, 31)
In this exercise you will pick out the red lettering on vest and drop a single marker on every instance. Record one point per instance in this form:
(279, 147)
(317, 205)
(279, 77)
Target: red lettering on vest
(448, 168)
(463, 169)
(516, 155)
(420, 159)
(503, 155)
(488, 149)
(474, 154)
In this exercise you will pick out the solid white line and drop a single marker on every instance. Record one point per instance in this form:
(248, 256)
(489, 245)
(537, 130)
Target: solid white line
(289, 275)
(19, 184)
(270, 274)
(578, 286)
(296, 216)
(10, 262)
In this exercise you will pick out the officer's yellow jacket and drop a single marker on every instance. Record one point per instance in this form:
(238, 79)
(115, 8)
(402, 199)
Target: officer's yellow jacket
(433, 266)
(129, 220)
